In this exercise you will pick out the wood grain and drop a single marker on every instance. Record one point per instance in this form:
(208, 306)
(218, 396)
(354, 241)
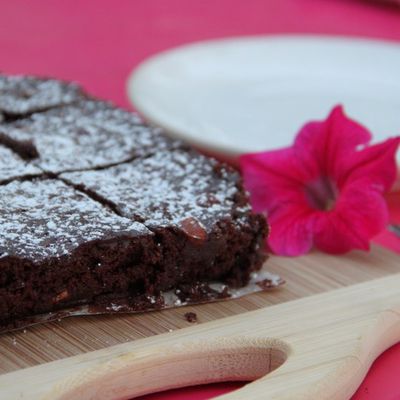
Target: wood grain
(305, 276)
(318, 347)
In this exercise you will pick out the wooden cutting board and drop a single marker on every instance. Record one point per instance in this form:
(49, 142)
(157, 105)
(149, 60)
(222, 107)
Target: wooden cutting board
(311, 274)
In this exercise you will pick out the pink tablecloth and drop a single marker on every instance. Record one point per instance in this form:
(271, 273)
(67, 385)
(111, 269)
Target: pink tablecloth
(98, 42)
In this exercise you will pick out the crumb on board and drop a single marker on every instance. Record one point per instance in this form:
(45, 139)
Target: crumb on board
(191, 317)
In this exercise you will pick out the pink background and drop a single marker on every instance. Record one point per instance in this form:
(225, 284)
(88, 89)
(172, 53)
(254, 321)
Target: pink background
(98, 42)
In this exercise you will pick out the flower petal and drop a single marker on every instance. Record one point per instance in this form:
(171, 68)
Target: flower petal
(272, 178)
(359, 215)
(322, 145)
(276, 184)
(375, 165)
(291, 231)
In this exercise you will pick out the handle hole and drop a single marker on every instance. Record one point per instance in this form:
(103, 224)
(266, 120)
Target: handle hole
(182, 365)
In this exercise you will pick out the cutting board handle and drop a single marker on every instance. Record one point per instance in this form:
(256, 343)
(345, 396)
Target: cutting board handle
(270, 363)
(334, 371)
(319, 347)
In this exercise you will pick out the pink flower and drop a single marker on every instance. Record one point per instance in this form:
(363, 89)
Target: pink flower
(327, 190)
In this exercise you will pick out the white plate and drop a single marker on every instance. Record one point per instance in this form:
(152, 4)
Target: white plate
(249, 94)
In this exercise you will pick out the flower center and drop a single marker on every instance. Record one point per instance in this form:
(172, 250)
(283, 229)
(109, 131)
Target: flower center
(321, 194)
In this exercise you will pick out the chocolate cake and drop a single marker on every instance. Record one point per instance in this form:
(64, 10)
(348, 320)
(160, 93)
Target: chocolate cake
(96, 206)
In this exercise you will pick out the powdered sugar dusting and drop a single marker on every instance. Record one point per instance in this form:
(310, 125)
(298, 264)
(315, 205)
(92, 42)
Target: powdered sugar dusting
(166, 188)
(21, 95)
(85, 135)
(106, 183)
(11, 166)
(150, 178)
(46, 218)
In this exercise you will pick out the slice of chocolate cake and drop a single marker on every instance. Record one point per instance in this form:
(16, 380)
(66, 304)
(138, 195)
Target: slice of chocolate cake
(86, 135)
(58, 247)
(167, 188)
(196, 207)
(96, 206)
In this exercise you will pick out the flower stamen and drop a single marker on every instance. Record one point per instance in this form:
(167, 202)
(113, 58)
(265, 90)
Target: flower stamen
(321, 194)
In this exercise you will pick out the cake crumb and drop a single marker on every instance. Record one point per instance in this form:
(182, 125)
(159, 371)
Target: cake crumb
(191, 317)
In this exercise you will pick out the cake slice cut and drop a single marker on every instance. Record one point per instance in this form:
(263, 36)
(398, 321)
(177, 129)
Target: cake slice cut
(196, 207)
(60, 248)
(168, 187)
(88, 134)
(12, 167)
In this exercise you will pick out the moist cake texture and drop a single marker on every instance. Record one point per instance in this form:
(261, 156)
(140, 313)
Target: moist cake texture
(96, 206)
